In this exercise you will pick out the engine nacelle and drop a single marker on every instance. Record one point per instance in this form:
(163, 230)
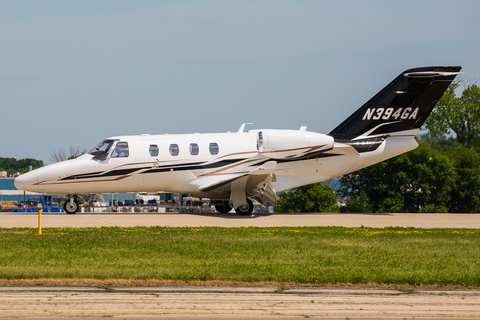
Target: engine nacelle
(278, 144)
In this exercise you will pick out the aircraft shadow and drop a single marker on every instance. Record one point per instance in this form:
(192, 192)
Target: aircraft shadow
(230, 215)
(233, 215)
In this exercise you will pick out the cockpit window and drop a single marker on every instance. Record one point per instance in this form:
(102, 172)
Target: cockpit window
(121, 150)
(104, 146)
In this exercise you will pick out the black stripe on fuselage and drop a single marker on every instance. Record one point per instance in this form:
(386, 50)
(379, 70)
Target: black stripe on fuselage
(219, 164)
(175, 167)
(120, 172)
(191, 166)
(82, 176)
(314, 155)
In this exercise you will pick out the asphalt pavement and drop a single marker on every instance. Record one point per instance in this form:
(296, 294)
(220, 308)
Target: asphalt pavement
(424, 220)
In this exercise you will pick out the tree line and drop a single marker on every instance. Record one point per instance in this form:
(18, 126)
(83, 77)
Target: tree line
(423, 180)
(12, 165)
(441, 175)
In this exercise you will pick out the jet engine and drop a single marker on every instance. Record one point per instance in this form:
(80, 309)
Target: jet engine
(279, 144)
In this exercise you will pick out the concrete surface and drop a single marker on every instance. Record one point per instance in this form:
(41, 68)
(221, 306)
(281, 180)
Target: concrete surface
(234, 302)
(10, 220)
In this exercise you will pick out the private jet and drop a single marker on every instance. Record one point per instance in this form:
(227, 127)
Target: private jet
(234, 168)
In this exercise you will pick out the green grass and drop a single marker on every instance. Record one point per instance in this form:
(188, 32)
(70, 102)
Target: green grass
(302, 255)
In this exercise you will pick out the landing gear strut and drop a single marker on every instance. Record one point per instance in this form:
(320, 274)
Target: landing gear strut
(71, 206)
(245, 210)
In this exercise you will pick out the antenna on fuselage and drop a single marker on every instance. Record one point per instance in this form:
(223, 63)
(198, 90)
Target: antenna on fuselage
(242, 127)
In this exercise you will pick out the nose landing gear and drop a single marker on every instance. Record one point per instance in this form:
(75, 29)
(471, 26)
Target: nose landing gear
(70, 206)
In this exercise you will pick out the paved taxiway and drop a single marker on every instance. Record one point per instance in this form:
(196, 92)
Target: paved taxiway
(11, 220)
(237, 303)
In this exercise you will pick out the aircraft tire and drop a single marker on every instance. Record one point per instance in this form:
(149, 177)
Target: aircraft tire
(223, 208)
(245, 210)
(70, 208)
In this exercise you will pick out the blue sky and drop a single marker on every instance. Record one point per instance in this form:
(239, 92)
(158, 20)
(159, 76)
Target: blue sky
(75, 72)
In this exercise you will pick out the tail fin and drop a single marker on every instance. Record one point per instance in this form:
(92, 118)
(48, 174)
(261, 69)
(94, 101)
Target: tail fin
(401, 107)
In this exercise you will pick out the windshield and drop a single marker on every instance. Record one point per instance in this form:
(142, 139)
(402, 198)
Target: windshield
(105, 146)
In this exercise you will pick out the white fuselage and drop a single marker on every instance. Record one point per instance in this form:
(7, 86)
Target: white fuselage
(293, 157)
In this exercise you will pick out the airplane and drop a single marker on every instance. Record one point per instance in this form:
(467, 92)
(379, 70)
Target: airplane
(234, 168)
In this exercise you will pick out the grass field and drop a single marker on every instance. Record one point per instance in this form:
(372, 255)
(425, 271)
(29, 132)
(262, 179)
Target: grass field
(284, 255)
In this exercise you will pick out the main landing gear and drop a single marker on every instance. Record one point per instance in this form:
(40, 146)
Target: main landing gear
(245, 210)
(223, 207)
(71, 206)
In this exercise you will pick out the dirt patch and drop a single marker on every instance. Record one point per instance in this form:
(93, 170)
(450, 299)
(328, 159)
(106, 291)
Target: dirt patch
(18, 232)
(34, 232)
(219, 283)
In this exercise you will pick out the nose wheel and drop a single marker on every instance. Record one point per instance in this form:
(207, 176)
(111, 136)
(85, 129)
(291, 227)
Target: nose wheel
(70, 206)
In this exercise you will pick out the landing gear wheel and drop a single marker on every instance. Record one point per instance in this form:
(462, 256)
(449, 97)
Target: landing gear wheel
(70, 207)
(223, 208)
(246, 209)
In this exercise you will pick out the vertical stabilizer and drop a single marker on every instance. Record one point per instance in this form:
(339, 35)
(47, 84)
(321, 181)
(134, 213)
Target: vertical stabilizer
(401, 107)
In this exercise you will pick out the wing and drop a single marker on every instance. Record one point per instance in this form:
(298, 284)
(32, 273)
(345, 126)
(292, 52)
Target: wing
(255, 183)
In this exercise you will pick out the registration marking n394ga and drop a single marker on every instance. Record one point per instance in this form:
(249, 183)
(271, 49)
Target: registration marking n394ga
(386, 114)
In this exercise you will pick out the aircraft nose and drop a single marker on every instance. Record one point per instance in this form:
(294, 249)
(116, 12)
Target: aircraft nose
(27, 181)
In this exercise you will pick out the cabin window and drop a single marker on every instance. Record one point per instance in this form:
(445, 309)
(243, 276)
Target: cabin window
(213, 148)
(174, 150)
(194, 149)
(153, 149)
(121, 150)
